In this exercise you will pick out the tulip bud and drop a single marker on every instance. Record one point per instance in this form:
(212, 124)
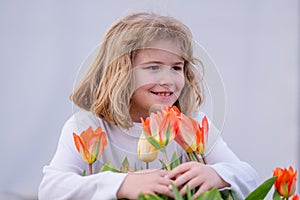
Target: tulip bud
(146, 151)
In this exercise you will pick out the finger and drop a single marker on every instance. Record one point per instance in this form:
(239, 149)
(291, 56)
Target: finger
(163, 172)
(193, 183)
(164, 180)
(179, 170)
(170, 193)
(162, 189)
(183, 178)
(157, 173)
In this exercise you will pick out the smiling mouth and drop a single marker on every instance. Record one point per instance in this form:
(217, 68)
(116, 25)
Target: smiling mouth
(165, 94)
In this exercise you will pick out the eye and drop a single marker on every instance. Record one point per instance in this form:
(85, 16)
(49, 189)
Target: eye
(177, 68)
(153, 67)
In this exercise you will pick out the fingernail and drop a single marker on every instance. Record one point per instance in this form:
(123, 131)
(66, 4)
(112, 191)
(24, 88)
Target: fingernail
(170, 187)
(166, 176)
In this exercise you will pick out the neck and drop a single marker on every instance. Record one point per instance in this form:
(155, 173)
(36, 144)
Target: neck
(136, 116)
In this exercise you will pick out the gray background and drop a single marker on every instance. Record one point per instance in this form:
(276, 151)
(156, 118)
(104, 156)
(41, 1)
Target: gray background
(254, 43)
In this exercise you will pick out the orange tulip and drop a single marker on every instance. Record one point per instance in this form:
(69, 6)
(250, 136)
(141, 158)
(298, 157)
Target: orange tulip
(295, 197)
(173, 109)
(285, 183)
(162, 126)
(191, 136)
(90, 144)
(160, 129)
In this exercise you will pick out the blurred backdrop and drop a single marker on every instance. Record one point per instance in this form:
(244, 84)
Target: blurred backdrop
(255, 45)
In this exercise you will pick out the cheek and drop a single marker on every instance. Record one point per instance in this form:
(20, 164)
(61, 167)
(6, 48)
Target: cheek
(138, 80)
(180, 82)
(142, 80)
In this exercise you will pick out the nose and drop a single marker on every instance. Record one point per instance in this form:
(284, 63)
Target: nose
(165, 77)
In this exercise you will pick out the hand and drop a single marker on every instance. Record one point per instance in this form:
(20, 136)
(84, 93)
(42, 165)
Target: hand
(195, 174)
(145, 181)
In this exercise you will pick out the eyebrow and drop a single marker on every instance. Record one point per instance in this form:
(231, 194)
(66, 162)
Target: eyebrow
(159, 62)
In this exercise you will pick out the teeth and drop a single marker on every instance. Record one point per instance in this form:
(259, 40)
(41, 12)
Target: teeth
(163, 94)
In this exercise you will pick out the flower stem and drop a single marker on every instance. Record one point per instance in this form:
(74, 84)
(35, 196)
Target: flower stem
(147, 165)
(91, 168)
(166, 159)
(196, 156)
(203, 158)
(190, 156)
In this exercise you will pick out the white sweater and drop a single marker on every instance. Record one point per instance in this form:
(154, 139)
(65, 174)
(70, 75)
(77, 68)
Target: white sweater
(62, 178)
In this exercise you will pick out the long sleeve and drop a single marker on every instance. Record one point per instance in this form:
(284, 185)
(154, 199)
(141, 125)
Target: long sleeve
(240, 175)
(58, 184)
(62, 178)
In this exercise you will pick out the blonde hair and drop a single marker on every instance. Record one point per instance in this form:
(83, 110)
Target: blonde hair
(107, 87)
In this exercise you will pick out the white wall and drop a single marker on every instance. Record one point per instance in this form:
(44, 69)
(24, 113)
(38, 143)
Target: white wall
(255, 45)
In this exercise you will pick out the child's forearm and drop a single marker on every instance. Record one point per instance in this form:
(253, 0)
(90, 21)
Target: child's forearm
(57, 184)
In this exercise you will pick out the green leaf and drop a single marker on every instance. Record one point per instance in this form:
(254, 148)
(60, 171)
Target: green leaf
(125, 164)
(141, 197)
(168, 134)
(163, 164)
(108, 167)
(189, 193)
(212, 194)
(135, 167)
(149, 197)
(153, 142)
(194, 190)
(227, 195)
(165, 197)
(276, 195)
(177, 196)
(83, 173)
(174, 161)
(261, 191)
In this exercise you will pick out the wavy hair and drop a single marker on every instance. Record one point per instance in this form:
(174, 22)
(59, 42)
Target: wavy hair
(107, 87)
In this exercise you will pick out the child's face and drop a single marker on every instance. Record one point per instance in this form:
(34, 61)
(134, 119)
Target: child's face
(159, 77)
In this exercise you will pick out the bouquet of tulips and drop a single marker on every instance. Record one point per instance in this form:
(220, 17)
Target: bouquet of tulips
(169, 124)
(159, 129)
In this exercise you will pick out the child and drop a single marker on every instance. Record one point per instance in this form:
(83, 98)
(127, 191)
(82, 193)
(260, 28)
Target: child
(144, 60)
